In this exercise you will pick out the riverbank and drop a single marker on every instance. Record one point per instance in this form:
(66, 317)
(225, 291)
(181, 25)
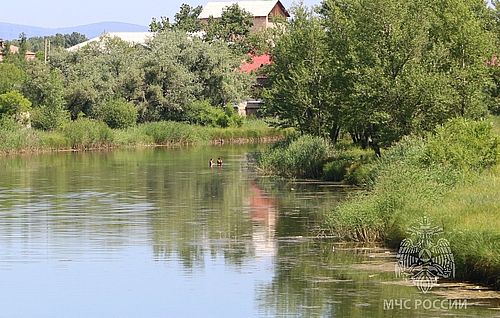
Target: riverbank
(451, 176)
(86, 134)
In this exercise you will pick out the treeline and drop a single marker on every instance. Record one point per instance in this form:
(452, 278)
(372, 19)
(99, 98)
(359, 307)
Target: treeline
(37, 43)
(177, 76)
(378, 70)
(173, 77)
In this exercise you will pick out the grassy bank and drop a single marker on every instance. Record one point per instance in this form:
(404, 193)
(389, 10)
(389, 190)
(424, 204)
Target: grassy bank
(85, 134)
(452, 177)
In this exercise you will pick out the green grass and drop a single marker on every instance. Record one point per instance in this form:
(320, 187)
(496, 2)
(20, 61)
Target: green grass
(453, 178)
(90, 134)
(296, 157)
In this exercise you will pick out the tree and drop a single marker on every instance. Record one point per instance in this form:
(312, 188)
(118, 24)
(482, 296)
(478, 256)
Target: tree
(159, 25)
(232, 27)
(11, 77)
(300, 90)
(184, 20)
(13, 103)
(187, 18)
(117, 113)
(45, 89)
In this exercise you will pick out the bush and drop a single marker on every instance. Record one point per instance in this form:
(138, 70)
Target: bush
(86, 133)
(49, 118)
(336, 170)
(301, 157)
(13, 102)
(204, 114)
(117, 113)
(351, 164)
(463, 144)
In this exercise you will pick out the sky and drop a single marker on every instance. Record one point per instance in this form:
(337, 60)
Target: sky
(66, 13)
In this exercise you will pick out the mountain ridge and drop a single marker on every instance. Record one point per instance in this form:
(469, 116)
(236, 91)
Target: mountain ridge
(11, 31)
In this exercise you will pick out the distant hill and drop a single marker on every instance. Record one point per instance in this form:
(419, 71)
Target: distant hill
(9, 31)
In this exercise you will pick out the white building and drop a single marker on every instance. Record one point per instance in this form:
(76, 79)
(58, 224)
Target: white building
(134, 38)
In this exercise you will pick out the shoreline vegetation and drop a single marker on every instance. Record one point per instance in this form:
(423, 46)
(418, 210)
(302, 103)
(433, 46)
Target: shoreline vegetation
(451, 176)
(87, 134)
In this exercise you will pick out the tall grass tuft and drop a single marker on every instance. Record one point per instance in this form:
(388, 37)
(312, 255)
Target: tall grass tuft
(301, 157)
(88, 134)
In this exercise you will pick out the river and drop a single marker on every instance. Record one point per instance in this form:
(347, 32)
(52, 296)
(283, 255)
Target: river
(157, 233)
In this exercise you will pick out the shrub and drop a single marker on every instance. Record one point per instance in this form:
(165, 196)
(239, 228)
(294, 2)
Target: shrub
(464, 144)
(117, 113)
(351, 164)
(204, 114)
(86, 133)
(336, 170)
(13, 102)
(301, 157)
(49, 118)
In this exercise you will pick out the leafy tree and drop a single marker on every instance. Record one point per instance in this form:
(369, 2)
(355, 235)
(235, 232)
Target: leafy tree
(45, 89)
(117, 113)
(300, 90)
(159, 25)
(232, 27)
(11, 77)
(37, 43)
(187, 18)
(13, 103)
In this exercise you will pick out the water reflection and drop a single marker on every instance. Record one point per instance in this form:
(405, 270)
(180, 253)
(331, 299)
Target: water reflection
(144, 233)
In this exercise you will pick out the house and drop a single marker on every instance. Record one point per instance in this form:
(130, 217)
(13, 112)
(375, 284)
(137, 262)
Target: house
(263, 12)
(251, 106)
(133, 38)
(28, 55)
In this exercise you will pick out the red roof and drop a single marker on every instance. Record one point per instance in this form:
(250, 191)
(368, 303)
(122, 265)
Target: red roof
(256, 63)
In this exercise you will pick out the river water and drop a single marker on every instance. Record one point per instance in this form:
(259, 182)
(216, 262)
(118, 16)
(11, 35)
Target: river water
(157, 233)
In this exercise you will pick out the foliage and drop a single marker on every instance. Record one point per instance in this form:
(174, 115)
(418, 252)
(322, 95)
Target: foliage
(13, 103)
(11, 77)
(15, 138)
(301, 157)
(463, 144)
(86, 133)
(44, 86)
(300, 92)
(117, 113)
(48, 118)
(169, 132)
(204, 114)
(232, 27)
(427, 171)
(185, 20)
(381, 69)
(37, 44)
(351, 164)
(161, 24)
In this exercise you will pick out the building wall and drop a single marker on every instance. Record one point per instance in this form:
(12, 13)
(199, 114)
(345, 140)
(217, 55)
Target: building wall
(260, 23)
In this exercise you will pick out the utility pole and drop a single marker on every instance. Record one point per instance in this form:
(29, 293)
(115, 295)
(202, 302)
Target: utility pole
(46, 50)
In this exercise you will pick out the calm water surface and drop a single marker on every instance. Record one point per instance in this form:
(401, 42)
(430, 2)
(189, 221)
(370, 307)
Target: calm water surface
(156, 233)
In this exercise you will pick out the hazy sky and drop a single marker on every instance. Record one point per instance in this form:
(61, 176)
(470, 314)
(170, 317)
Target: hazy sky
(64, 13)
